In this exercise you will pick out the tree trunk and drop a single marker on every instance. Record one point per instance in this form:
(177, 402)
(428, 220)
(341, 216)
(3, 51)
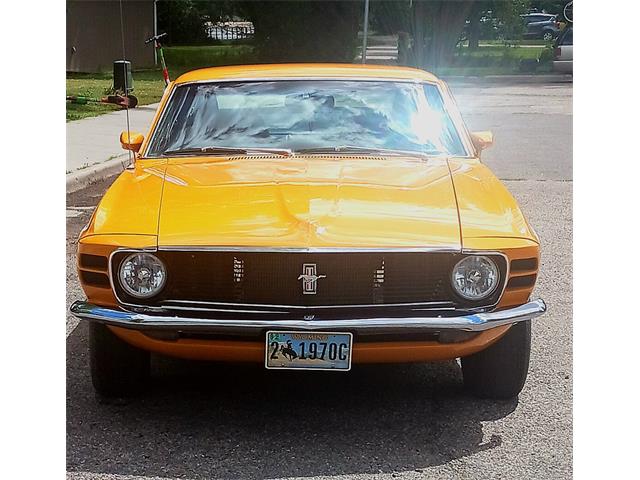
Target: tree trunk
(419, 18)
(474, 27)
(447, 20)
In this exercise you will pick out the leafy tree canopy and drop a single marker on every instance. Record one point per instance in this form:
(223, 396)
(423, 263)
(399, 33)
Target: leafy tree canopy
(303, 30)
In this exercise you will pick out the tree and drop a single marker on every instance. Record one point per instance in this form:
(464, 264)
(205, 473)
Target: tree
(430, 30)
(475, 27)
(389, 16)
(303, 31)
(435, 27)
(182, 21)
(218, 11)
(492, 19)
(185, 20)
(548, 6)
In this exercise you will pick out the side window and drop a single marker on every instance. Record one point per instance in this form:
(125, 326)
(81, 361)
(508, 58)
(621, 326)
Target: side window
(172, 119)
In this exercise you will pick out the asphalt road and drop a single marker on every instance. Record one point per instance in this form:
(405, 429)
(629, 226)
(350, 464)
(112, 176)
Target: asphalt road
(410, 421)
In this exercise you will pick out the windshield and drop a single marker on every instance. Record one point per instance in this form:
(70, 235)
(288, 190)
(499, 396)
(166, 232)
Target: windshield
(305, 115)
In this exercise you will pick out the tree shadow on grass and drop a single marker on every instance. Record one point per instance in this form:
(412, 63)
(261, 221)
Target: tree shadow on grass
(205, 420)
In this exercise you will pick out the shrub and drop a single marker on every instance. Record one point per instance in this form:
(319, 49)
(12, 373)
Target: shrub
(546, 56)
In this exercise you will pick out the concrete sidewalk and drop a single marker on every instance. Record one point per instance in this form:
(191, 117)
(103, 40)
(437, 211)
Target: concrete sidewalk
(93, 145)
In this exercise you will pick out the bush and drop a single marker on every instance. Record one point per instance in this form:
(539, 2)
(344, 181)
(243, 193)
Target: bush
(546, 56)
(528, 65)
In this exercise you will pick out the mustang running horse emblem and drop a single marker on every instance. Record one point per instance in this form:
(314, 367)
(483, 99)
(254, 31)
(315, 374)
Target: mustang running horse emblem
(309, 279)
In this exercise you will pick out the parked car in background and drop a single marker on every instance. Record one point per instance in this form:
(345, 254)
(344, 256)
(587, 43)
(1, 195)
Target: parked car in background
(541, 25)
(563, 52)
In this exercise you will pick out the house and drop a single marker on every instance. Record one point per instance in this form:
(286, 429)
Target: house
(94, 34)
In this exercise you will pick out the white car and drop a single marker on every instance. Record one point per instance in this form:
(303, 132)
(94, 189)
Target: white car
(563, 52)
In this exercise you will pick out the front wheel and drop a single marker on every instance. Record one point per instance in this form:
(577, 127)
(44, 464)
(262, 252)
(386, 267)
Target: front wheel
(117, 369)
(547, 36)
(500, 370)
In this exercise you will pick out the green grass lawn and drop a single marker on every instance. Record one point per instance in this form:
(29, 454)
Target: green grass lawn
(515, 52)
(148, 85)
(515, 42)
(496, 60)
(147, 91)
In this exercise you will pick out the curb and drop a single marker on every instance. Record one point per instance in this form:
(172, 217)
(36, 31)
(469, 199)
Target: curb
(550, 78)
(81, 178)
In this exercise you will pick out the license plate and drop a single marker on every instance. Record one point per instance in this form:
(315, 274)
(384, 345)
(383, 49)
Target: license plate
(308, 350)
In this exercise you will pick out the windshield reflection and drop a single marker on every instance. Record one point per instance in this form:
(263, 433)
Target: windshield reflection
(307, 114)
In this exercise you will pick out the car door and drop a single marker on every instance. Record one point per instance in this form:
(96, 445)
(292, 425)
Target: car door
(565, 42)
(533, 25)
(526, 20)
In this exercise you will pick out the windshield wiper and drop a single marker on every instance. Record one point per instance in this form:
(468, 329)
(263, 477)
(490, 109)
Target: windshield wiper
(285, 152)
(363, 150)
(214, 150)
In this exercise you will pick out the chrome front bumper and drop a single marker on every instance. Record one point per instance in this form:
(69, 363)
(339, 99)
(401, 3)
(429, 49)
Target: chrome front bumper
(472, 323)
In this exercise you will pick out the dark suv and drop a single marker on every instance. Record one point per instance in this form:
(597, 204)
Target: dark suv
(541, 25)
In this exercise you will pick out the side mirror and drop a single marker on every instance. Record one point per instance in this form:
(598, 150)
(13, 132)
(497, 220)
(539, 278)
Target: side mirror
(482, 140)
(131, 140)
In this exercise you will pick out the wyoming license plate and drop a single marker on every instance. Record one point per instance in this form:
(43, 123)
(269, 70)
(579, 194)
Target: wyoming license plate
(308, 350)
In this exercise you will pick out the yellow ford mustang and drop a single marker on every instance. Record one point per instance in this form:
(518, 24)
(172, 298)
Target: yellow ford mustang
(309, 217)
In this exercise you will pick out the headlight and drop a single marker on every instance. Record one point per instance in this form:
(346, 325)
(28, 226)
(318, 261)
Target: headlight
(475, 277)
(142, 275)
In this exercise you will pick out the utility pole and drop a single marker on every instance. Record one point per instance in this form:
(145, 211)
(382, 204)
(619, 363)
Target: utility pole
(365, 31)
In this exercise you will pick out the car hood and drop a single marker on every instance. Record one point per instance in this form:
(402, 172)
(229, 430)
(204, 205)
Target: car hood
(487, 209)
(308, 202)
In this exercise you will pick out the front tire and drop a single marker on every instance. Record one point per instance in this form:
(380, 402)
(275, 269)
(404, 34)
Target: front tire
(499, 371)
(547, 36)
(117, 369)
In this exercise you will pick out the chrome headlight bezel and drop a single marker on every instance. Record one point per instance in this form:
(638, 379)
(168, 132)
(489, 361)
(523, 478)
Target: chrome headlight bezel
(154, 262)
(491, 269)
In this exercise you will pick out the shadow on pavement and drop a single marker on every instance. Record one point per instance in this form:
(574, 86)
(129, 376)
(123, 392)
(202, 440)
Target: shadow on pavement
(206, 420)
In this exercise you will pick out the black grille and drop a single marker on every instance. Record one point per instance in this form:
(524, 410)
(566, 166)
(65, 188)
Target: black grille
(524, 264)
(95, 279)
(93, 261)
(520, 282)
(273, 278)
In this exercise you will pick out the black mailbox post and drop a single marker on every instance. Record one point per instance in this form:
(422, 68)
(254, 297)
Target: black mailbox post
(122, 78)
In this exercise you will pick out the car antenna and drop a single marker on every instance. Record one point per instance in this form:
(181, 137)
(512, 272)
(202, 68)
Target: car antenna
(126, 86)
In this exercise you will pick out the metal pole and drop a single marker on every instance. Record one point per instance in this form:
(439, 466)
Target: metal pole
(155, 29)
(366, 31)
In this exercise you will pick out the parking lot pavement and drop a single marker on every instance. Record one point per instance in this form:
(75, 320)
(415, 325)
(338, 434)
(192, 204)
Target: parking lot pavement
(412, 421)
